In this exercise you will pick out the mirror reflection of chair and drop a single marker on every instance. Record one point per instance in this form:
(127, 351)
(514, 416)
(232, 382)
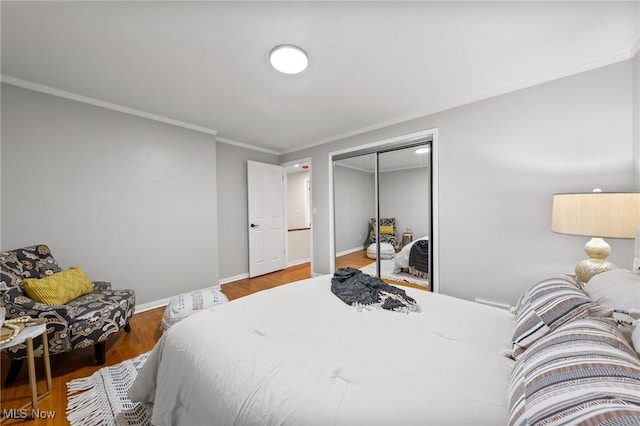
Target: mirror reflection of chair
(78, 313)
(388, 233)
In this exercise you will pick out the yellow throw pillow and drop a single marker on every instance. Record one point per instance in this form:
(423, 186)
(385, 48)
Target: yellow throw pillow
(386, 229)
(59, 288)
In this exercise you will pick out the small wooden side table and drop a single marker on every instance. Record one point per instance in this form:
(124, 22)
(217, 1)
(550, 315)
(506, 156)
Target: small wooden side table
(407, 237)
(33, 329)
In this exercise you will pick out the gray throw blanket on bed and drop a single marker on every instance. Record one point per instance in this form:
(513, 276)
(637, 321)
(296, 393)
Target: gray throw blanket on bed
(360, 290)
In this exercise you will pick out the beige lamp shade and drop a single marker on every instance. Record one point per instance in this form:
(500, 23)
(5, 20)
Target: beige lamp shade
(597, 214)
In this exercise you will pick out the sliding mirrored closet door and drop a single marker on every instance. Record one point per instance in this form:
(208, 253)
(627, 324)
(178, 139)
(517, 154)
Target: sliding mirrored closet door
(382, 203)
(354, 205)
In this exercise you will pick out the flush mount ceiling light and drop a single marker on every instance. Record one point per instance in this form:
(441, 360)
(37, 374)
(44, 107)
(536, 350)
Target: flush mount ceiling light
(289, 59)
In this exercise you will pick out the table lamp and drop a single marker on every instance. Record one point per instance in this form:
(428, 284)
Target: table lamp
(598, 215)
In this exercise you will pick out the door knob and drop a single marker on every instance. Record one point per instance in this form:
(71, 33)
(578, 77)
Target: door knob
(253, 225)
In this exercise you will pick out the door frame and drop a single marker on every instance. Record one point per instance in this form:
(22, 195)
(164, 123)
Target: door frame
(286, 195)
(397, 141)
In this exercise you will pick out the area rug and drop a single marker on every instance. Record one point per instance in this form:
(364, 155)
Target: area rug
(101, 399)
(386, 270)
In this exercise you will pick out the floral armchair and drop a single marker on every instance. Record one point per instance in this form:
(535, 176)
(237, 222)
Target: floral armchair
(388, 232)
(85, 321)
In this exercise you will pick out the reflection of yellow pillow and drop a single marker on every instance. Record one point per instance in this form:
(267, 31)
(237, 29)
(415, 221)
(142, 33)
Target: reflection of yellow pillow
(59, 288)
(384, 229)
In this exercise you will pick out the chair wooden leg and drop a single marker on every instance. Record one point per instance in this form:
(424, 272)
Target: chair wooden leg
(14, 369)
(100, 349)
(127, 327)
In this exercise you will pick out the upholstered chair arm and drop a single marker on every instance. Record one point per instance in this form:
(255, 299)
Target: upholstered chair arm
(57, 317)
(18, 309)
(101, 286)
(26, 306)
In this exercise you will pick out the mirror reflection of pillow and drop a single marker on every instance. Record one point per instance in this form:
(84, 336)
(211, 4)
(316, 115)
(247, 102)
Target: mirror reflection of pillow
(384, 230)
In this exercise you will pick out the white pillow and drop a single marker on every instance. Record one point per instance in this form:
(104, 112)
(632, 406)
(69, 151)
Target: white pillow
(386, 251)
(618, 289)
(187, 304)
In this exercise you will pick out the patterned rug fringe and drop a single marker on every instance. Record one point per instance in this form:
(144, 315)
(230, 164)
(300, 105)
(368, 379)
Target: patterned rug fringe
(386, 270)
(101, 399)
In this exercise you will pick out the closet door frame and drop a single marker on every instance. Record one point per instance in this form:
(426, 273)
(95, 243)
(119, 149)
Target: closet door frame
(405, 141)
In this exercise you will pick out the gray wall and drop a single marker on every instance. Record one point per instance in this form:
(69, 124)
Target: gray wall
(130, 200)
(500, 161)
(404, 194)
(233, 219)
(354, 205)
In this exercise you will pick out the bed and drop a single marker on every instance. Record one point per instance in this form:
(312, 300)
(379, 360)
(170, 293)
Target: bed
(299, 355)
(413, 258)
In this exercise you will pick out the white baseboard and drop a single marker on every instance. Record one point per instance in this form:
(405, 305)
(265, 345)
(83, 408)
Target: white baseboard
(298, 262)
(234, 278)
(152, 305)
(353, 250)
(158, 303)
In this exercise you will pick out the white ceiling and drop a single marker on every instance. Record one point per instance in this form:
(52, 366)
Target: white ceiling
(205, 64)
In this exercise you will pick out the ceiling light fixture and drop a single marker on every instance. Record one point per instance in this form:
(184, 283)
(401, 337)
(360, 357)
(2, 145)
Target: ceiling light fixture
(288, 59)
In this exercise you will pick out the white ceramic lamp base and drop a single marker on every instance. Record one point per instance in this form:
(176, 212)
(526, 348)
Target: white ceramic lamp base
(598, 251)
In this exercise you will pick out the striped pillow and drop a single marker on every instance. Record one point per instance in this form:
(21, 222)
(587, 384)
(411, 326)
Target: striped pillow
(583, 373)
(549, 304)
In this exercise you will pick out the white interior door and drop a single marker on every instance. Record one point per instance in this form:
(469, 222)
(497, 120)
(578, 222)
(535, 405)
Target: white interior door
(266, 218)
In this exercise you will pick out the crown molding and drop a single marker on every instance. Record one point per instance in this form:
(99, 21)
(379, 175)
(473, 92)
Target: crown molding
(126, 110)
(247, 146)
(349, 166)
(102, 104)
(566, 72)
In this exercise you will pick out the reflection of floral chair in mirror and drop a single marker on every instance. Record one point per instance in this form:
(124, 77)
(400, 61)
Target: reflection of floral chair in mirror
(85, 321)
(387, 231)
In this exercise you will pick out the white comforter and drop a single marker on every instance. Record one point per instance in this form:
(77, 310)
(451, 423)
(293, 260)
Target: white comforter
(298, 355)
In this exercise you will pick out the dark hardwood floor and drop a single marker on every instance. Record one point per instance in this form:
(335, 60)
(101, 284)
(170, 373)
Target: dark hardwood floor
(145, 332)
